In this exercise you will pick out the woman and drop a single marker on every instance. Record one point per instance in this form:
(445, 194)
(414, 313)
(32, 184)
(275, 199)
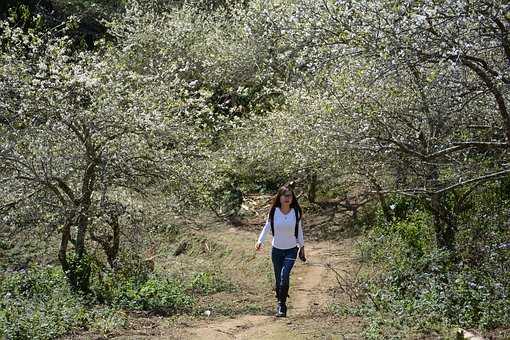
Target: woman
(284, 221)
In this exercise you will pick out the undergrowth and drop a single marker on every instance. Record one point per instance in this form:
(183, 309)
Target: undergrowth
(421, 289)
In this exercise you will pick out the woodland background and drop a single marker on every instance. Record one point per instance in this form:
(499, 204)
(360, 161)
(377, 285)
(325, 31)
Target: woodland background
(127, 126)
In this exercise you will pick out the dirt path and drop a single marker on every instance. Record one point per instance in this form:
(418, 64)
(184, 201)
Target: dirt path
(308, 296)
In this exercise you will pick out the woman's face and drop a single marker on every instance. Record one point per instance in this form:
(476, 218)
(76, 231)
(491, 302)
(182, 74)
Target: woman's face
(286, 198)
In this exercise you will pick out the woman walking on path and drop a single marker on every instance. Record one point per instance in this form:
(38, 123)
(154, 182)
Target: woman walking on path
(284, 221)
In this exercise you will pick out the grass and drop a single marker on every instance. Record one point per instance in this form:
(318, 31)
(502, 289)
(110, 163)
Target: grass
(218, 271)
(242, 279)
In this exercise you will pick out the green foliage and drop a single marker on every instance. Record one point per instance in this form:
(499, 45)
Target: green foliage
(133, 286)
(157, 294)
(21, 15)
(423, 288)
(432, 290)
(38, 304)
(502, 189)
(77, 6)
(209, 283)
(79, 272)
(401, 206)
(107, 319)
(32, 283)
(412, 236)
(228, 198)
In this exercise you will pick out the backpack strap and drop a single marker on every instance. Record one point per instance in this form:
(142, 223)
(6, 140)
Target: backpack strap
(271, 219)
(297, 222)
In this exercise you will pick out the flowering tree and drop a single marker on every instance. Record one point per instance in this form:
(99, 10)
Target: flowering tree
(82, 130)
(424, 87)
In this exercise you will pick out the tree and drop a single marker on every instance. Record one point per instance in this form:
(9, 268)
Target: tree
(80, 131)
(426, 87)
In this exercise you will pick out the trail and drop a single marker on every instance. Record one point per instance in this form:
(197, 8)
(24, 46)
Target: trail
(308, 294)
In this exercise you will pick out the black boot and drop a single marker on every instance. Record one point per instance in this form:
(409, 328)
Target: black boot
(281, 310)
(278, 306)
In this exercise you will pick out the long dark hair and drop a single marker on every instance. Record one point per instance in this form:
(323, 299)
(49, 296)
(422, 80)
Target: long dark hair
(276, 201)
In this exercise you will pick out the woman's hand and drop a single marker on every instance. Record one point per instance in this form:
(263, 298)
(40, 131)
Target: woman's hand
(258, 246)
(302, 254)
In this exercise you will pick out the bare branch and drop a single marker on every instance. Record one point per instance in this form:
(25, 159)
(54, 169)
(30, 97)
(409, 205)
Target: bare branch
(65, 188)
(474, 180)
(11, 205)
(504, 38)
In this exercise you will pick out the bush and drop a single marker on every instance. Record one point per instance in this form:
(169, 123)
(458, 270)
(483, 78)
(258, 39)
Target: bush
(433, 290)
(423, 288)
(153, 293)
(163, 295)
(38, 304)
(208, 283)
(410, 237)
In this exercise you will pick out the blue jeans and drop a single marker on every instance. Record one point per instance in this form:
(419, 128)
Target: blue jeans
(283, 261)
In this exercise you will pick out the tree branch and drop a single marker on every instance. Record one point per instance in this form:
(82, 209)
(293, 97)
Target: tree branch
(474, 180)
(457, 147)
(10, 205)
(504, 38)
(65, 188)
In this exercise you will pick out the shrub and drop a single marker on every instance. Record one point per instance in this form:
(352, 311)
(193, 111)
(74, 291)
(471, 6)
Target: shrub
(153, 293)
(410, 237)
(38, 304)
(421, 287)
(208, 283)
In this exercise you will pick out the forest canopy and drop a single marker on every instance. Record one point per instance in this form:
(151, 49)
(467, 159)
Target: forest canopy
(117, 115)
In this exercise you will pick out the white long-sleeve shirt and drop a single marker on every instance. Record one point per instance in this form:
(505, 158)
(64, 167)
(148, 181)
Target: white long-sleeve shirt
(284, 228)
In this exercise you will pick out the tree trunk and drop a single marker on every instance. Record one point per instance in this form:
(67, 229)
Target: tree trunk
(79, 270)
(312, 188)
(382, 200)
(83, 219)
(113, 250)
(66, 236)
(444, 225)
